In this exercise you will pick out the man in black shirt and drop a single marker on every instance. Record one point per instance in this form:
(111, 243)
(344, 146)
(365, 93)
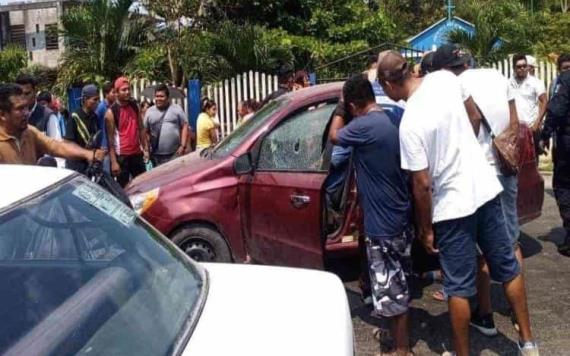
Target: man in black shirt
(82, 125)
(557, 126)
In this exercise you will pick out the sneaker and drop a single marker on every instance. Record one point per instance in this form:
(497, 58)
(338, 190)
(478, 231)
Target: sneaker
(448, 353)
(484, 324)
(528, 349)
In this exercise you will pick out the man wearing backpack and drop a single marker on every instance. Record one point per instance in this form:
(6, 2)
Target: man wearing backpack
(166, 126)
(128, 146)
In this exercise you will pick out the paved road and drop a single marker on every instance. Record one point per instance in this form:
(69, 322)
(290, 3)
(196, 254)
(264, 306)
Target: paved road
(548, 284)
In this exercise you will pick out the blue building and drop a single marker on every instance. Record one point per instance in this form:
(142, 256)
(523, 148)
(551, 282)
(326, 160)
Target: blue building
(436, 35)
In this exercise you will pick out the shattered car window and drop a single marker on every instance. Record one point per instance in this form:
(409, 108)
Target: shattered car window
(296, 144)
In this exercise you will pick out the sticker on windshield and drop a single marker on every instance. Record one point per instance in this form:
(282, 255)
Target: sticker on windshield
(105, 203)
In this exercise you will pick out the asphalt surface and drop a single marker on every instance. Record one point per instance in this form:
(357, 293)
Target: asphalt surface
(548, 287)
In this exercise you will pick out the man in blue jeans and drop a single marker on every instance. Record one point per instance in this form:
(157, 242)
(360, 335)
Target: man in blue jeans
(384, 198)
(496, 99)
(456, 193)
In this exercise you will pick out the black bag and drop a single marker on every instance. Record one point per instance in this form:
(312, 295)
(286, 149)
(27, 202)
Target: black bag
(154, 139)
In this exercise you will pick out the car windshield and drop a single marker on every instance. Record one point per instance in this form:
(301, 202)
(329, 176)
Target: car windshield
(232, 141)
(83, 274)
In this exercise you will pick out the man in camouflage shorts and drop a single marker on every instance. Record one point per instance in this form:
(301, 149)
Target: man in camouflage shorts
(384, 198)
(390, 266)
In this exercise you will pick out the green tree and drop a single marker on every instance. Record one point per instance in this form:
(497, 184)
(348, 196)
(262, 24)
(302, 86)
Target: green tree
(177, 20)
(101, 37)
(500, 29)
(12, 60)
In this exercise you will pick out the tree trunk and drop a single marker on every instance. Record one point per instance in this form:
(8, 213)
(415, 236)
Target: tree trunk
(173, 65)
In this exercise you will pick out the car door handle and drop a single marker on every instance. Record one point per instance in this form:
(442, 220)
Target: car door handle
(300, 200)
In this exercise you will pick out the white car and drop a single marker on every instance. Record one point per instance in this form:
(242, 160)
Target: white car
(82, 274)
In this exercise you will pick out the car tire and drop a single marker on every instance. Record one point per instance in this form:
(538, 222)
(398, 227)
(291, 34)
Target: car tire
(203, 244)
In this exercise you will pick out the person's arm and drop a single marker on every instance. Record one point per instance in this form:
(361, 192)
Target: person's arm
(474, 114)
(65, 149)
(110, 125)
(336, 125)
(183, 138)
(557, 111)
(542, 102)
(421, 191)
(514, 123)
(213, 135)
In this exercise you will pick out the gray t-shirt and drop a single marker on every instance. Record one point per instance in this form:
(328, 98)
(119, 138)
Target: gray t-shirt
(174, 119)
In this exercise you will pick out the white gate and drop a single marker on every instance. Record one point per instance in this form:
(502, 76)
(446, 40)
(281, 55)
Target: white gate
(228, 93)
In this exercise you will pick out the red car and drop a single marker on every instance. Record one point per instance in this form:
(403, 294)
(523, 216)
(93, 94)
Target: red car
(259, 192)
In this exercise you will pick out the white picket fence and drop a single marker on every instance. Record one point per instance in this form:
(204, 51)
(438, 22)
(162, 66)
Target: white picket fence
(545, 71)
(228, 93)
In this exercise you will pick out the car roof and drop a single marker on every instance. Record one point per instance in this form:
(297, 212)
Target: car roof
(306, 93)
(18, 182)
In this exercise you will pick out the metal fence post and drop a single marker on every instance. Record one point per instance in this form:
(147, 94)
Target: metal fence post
(194, 99)
(73, 99)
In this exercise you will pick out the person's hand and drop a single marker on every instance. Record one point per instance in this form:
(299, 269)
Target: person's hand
(99, 155)
(180, 151)
(428, 242)
(535, 127)
(115, 168)
(146, 156)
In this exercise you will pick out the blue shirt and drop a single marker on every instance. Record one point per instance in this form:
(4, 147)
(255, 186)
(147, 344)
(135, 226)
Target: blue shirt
(387, 104)
(100, 112)
(382, 185)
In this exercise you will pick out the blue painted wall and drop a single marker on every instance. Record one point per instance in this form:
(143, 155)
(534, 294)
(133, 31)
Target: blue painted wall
(437, 35)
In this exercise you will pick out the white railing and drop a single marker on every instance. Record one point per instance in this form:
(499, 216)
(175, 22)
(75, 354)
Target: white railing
(228, 93)
(545, 71)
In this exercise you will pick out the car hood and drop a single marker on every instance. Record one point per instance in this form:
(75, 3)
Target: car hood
(167, 173)
(260, 311)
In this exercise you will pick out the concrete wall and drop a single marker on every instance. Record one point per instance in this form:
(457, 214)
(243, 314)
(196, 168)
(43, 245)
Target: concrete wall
(35, 21)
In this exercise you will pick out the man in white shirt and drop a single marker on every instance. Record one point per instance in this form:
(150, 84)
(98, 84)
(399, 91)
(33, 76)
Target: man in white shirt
(495, 98)
(455, 192)
(530, 96)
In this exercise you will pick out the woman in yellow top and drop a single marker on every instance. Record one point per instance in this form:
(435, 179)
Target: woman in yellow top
(206, 133)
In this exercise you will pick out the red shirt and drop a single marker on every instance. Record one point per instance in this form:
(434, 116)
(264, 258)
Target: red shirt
(127, 140)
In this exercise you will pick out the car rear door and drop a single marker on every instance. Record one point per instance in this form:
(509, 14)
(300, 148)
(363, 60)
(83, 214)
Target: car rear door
(284, 195)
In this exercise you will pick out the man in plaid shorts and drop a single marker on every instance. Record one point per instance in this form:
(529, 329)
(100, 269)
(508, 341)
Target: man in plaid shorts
(384, 198)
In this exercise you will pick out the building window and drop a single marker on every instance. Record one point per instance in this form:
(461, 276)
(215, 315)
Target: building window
(52, 37)
(37, 28)
(18, 35)
(33, 42)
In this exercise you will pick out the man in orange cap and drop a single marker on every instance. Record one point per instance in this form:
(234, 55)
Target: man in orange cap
(128, 146)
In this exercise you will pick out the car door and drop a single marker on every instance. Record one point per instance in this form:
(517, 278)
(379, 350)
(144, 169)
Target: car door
(283, 197)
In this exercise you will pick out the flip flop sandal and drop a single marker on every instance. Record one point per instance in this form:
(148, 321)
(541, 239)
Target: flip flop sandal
(381, 335)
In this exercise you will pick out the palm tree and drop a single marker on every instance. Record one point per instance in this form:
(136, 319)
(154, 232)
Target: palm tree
(101, 37)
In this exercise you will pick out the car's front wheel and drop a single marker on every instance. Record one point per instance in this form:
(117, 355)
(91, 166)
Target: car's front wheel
(202, 244)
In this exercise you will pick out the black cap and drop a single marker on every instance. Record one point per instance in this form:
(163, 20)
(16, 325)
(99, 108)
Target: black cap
(449, 56)
(426, 65)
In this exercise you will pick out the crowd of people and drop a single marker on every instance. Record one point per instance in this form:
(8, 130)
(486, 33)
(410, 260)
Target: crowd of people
(443, 180)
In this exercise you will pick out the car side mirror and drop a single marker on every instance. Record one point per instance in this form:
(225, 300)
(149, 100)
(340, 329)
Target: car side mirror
(243, 164)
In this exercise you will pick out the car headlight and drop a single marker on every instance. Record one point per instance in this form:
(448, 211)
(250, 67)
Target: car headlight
(143, 201)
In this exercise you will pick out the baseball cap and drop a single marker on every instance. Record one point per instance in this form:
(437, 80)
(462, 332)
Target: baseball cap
(391, 66)
(121, 82)
(426, 64)
(447, 56)
(89, 91)
(531, 61)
